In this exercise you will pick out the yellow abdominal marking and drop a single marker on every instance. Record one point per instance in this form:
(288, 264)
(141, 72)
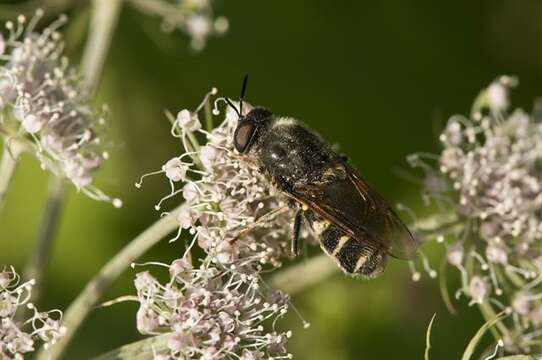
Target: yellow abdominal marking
(341, 243)
(362, 259)
(320, 226)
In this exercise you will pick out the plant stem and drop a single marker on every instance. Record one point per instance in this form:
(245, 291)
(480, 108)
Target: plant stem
(87, 299)
(8, 163)
(305, 274)
(139, 350)
(208, 116)
(39, 259)
(102, 25)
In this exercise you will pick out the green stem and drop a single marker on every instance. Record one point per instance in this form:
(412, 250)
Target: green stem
(305, 274)
(139, 350)
(93, 291)
(208, 116)
(8, 163)
(488, 314)
(39, 259)
(102, 25)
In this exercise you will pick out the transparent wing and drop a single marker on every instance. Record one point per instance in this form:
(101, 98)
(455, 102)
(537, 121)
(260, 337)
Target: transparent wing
(359, 211)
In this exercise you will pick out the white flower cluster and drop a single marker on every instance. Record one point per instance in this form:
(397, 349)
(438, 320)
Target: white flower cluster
(218, 309)
(44, 101)
(18, 338)
(212, 312)
(490, 175)
(193, 17)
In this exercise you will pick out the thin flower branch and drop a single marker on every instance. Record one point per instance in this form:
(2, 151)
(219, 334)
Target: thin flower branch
(39, 258)
(141, 350)
(103, 21)
(8, 163)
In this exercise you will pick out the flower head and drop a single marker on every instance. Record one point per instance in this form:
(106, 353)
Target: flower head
(19, 337)
(218, 306)
(44, 104)
(491, 180)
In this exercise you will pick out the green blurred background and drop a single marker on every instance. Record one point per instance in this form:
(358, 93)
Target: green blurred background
(379, 78)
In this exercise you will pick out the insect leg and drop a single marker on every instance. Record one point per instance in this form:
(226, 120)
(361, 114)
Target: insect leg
(266, 217)
(295, 233)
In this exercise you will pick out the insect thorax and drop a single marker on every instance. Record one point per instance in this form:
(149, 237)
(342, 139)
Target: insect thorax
(292, 152)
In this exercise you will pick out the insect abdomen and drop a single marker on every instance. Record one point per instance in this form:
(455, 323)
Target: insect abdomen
(352, 255)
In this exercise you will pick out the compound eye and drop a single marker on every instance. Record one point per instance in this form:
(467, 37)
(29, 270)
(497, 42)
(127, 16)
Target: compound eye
(243, 135)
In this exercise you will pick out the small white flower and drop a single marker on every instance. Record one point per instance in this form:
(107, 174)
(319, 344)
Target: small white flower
(32, 123)
(190, 192)
(188, 121)
(208, 156)
(18, 338)
(187, 217)
(496, 254)
(175, 170)
(521, 303)
(455, 254)
(497, 96)
(478, 289)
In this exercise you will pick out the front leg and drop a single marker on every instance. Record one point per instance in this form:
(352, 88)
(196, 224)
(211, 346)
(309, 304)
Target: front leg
(295, 233)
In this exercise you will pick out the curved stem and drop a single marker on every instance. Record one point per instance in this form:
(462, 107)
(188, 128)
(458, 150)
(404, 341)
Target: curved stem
(102, 25)
(39, 259)
(87, 299)
(298, 277)
(8, 163)
(140, 350)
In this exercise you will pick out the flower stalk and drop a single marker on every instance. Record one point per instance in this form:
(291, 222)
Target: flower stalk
(39, 259)
(8, 164)
(102, 27)
(141, 350)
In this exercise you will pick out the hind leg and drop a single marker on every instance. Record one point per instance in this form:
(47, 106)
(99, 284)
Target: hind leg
(296, 230)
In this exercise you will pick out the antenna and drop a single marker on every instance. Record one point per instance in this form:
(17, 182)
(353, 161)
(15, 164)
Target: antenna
(243, 91)
(233, 106)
